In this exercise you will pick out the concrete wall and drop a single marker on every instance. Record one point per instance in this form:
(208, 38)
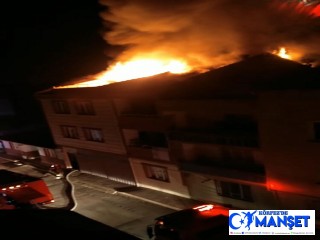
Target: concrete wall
(291, 153)
(104, 119)
(203, 188)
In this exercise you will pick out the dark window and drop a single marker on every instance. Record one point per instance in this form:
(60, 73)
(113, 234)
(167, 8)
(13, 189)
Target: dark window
(60, 107)
(84, 108)
(156, 172)
(153, 139)
(316, 130)
(240, 123)
(69, 132)
(233, 190)
(141, 107)
(93, 134)
(73, 160)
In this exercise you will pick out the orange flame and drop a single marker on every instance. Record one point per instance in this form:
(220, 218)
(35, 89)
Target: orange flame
(133, 69)
(282, 52)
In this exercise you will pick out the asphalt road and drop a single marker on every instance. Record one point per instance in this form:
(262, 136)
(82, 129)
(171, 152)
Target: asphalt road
(115, 209)
(101, 204)
(104, 205)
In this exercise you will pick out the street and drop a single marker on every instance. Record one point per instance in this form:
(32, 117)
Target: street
(98, 202)
(95, 199)
(115, 209)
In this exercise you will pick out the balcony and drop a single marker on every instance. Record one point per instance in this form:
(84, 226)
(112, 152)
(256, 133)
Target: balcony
(145, 122)
(251, 173)
(246, 172)
(231, 139)
(148, 152)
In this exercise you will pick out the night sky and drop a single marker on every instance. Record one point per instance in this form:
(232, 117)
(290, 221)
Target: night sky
(49, 42)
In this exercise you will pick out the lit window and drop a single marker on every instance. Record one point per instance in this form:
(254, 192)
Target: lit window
(156, 172)
(233, 190)
(69, 132)
(60, 107)
(93, 134)
(84, 108)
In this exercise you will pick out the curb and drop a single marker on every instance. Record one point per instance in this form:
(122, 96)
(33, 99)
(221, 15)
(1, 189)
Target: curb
(148, 200)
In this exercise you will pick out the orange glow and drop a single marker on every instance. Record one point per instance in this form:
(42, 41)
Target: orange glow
(283, 53)
(291, 186)
(202, 208)
(300, 7)
(210, 210)
(316, 11)
(133, 69)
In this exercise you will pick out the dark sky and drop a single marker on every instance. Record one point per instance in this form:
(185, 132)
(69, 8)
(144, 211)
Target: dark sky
(49, 42)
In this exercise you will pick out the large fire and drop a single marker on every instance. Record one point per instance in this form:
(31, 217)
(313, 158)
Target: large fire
(282, 52)
(143, 67)
(183, 36)
(133, 69)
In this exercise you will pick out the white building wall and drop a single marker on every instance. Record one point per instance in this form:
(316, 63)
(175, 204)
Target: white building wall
(175, 186)
(203, 188)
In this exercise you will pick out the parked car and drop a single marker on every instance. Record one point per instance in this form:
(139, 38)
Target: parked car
(201, 222)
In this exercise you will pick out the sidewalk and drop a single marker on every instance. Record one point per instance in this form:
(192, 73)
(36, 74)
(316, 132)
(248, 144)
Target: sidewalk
(156, 197)
(104, 184)
(45, 168)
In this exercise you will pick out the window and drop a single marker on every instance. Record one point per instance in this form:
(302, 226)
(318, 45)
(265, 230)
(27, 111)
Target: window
(140, 107)
(84, 108)
(240, 123)
(49, 152)
(60, 107)
(13, 146)
(1, 147)
(156, 172)
(233, 190)
(237, 156)
(93, 134)
(153, 139)
(69, 132)
(316, 131)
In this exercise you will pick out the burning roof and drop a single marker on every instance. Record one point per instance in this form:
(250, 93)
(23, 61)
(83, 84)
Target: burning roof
(208, 33)
(192, 35)
(243, 78)
(247, 77)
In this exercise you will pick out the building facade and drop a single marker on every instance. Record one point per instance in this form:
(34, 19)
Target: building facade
(240, 147)
(46, 156)
(289, 130)
(87, 131)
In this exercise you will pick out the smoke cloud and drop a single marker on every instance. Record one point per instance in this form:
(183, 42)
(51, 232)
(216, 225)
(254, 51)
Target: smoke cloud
(211, 33)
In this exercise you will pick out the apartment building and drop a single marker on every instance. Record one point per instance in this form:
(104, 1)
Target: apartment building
(289, 133)
(44, 155)
(84, 124)
(145, 130)
(227, 136)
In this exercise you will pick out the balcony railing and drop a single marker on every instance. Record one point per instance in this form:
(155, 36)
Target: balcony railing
(145, 122)
(241, 140)
(148, 152)
(252, 173)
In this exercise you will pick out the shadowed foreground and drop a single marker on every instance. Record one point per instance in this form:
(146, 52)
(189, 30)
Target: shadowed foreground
(56, 224)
